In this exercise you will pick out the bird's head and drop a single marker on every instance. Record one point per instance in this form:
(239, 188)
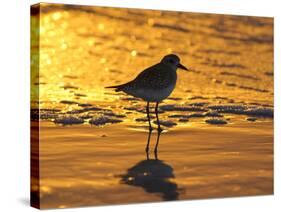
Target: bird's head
(173, 61)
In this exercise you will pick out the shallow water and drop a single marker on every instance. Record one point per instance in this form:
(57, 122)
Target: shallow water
(84, 165)
(218, 138)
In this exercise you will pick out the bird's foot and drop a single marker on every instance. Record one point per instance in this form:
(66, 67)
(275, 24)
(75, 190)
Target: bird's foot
(150, 129)
(147, 149)
(159, 129)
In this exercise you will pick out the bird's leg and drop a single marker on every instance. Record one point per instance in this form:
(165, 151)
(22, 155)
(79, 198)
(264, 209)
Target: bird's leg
(150, 128)
(158, 123)
(147, 145)
(156, 146)
(148, 117)
(159, 129)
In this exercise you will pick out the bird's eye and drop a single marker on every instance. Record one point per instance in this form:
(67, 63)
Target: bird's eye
(171, 61)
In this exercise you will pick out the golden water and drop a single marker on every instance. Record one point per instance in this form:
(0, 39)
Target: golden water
(84, 49)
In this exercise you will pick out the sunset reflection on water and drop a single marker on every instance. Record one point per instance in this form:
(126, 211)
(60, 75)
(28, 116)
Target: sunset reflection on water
(84, 49)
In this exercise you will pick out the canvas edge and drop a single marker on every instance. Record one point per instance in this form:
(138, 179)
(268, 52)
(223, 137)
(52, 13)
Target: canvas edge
(34, 127)
(34, 108)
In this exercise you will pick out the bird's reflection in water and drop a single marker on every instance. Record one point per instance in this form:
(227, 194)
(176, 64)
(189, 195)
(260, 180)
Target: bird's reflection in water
(156, 145)
(153, 175)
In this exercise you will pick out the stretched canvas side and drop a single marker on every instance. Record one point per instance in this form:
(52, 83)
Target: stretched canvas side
(34, 110)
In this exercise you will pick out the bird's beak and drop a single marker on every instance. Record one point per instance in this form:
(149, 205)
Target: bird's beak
(182, 67)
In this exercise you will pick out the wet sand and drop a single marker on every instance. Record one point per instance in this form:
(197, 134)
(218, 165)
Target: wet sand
(87, 165)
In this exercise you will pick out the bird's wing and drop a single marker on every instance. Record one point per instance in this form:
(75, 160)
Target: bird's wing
(156, 77)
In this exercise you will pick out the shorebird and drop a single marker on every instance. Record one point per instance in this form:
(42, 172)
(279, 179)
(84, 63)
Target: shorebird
(154, 84)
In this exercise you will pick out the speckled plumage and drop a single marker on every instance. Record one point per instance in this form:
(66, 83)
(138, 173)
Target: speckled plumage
(157, 77)
(154, 83)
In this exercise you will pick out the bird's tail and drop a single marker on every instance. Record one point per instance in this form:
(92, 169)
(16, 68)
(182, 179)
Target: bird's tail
(117, 87)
